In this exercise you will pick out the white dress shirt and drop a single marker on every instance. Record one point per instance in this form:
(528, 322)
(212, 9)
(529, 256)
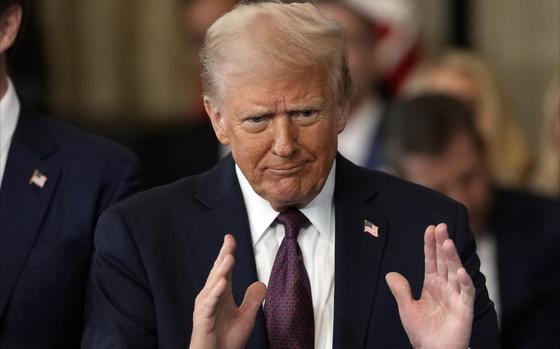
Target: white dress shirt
(9, 114)
(316, 243)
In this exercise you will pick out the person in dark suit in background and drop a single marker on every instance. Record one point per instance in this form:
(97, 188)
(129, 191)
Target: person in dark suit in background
(54, 183)
(292, 214)
(359, 142)
(432, 140)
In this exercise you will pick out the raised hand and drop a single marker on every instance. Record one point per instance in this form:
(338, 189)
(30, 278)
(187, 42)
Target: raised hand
(442, 317)
(217, 321)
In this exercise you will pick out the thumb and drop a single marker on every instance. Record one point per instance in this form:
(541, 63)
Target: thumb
(254, 296)
(400, 289)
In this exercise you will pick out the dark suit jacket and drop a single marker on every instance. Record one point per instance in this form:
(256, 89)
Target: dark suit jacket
(155, 250)
(46, 234)
(527, 232)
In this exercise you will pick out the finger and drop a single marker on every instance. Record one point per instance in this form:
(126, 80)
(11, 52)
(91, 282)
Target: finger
(453, 263)
(254, 297)
(223, 270)
(400, 289)
(219, 272)
(217, 262)
(228, 248)
(209, 304)
(221, 282)
(430, 250)
(468, 291)
(441, 236)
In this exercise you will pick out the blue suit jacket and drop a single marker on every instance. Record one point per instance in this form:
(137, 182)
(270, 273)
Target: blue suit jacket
(527, 232)
(155, 250)
(46, 234)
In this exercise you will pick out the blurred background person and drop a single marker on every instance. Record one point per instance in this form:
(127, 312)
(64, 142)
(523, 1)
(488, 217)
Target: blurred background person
(55, 181)
(129, 69)
(382, 49)
(358, 141)
(186, 144)
(466, 76)
(197, 16)
(396, 27)
(546, 178)
(432, 140)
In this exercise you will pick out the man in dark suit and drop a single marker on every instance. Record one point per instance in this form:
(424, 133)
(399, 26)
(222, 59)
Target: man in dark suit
(291, 214)
(54, 183)
(432, 140)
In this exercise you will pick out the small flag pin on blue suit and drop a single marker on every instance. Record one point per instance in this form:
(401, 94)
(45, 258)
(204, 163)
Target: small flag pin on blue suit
(38, 179)
(371, 228)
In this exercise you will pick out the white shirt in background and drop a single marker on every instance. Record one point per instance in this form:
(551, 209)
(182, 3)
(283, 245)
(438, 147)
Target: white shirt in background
(316, 243)
(9, 114)
(358, 136)
(487, 252)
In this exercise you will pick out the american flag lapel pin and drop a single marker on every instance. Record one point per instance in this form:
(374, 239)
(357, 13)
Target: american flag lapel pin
(38, 179)
(371, 228)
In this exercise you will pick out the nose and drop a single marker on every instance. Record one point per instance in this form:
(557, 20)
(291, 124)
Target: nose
(285, 137)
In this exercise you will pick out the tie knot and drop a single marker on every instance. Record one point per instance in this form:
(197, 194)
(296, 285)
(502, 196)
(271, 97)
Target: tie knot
(292, 220)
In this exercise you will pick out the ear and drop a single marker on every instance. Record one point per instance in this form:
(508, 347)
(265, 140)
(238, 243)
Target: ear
(217, 120)
(342, 118)
(9, 26)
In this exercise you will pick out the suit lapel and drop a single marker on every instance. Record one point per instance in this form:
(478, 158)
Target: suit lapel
(226, 213)
(358, 255)
(23, 205)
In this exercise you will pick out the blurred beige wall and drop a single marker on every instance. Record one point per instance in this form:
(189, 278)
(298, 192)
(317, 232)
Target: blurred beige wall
(521, 39)
(118, 59)
(129, 58)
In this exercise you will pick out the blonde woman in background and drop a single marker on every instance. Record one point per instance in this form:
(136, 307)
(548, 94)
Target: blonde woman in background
(546, 178)
(466, 76)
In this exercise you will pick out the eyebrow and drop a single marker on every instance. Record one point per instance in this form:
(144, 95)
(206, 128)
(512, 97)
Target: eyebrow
(315, 103)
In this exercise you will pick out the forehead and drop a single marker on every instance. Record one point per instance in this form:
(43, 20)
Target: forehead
(460, 156)
(269, 90)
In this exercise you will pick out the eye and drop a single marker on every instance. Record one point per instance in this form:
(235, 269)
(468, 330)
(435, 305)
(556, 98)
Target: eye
(256, 123)
(306, 117)
(255, 119)
(306, 113)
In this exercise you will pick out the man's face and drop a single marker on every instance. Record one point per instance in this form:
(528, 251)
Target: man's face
(460, 173)
(10, 20)
(282, 133)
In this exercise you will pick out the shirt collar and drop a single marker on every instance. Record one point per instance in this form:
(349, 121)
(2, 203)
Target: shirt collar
(261, 215)
(9, 113)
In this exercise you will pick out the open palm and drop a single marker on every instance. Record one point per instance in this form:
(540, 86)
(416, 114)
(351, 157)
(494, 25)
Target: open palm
(217, 321)
(442, 317)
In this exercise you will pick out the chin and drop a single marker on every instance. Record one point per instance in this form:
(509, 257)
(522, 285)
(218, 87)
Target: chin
(287, 192)
(280, 200)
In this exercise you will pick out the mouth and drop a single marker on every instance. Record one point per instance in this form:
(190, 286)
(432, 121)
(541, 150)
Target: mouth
(286, 170)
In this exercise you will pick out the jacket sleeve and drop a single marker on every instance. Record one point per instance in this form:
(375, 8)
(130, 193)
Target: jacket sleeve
(485, 333)
(122, 305)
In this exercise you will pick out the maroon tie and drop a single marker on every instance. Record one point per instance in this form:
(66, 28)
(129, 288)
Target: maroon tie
(288, 307)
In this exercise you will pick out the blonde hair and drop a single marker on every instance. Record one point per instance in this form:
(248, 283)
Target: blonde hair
(509, 153)
(546, 178)
(276, 38)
